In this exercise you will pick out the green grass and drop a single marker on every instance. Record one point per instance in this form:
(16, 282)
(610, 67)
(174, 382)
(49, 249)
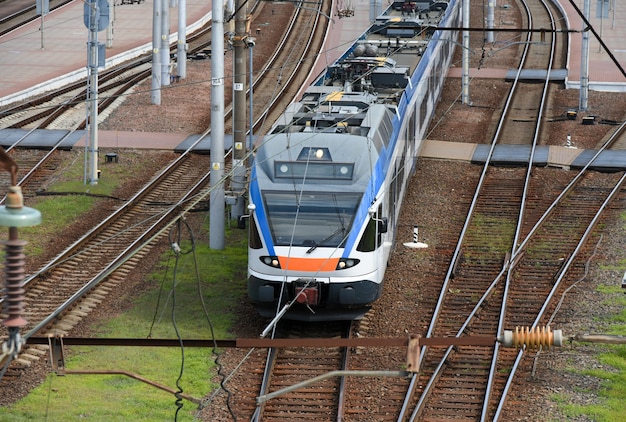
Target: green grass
(612, 404)
(158, 313)
(172, 301)
(74, 198)
(612, 407)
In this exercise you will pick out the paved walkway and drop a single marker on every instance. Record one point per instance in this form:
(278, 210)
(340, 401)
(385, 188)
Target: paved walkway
(604, 74)
(27, 68)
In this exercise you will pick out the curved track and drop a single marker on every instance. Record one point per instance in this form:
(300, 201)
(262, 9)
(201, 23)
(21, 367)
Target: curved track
(65, 289)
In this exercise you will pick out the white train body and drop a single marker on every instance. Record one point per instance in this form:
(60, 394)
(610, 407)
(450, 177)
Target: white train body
(328, 181)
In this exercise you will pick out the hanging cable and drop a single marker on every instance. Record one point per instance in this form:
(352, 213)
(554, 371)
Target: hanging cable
(214, 350)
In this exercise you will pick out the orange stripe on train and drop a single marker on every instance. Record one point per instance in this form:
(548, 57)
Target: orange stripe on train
(308, 264)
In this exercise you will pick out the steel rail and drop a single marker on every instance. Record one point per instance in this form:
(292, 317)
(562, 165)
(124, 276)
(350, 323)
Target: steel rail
(557, 283)
(612, 139)
(132, 249)
(506, 269)
(518, 229)
(271, 359)
(457, 250)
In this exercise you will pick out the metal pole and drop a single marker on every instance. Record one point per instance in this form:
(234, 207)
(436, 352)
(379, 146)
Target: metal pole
(156, 57)
(465, 64)
(584, 64)
(601, 23)
(42, 47)
(251, 43)
(491, 7)
(110, 27)
(93, 93)
(216, 215)
(165, 43)
(239, 109)
(181, 48)
(43, 8)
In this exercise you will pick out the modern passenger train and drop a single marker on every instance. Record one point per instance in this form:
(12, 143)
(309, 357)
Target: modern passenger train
(328, 180)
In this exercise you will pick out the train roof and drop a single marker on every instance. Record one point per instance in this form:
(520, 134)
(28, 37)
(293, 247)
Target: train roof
(357, 144)
(347, 114)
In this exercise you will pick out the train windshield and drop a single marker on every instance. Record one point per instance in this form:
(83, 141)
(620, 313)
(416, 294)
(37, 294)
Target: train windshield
(314, 219)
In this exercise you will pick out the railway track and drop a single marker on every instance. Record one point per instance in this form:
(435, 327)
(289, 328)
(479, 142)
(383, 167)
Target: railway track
(15, 13)
(470, 382)
(286, 367)
(385, 406)
(88, 269)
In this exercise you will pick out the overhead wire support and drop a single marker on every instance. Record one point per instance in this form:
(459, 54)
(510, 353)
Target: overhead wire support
(545, 31)
(217, 199)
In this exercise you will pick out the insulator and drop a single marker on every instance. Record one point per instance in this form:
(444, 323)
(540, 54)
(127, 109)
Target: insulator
(14, 275)
(531, 337)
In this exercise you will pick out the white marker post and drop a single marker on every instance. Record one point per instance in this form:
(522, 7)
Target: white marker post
(415, 243)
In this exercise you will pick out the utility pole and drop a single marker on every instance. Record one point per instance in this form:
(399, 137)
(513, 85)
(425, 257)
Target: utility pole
(583, 96)
(110, 27)
(43, 8)
(96, 19)
(491, 11)
(217, 205)
(465, 62)
(165, 43)
(239, 108)
(156, 55)
(181, 47)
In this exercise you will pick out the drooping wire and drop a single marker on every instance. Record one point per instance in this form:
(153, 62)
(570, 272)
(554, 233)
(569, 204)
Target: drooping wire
(214, 350)
(160, 295)
(563, 295)
(175, 245)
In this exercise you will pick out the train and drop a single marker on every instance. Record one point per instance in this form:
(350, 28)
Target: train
(327, 180)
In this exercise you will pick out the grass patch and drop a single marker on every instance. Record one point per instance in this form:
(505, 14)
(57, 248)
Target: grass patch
(170, 307)
(611, 406)
(173, 305)
(74, 200)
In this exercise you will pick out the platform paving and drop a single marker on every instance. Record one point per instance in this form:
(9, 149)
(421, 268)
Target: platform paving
(27, 68)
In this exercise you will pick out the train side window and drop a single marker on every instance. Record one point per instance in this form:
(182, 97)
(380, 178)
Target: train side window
(254, 239)
(368, 241)
(372, 236)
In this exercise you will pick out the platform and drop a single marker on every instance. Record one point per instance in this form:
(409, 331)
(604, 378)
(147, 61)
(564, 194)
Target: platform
(28, 69)
(518, 155)
(604, 75)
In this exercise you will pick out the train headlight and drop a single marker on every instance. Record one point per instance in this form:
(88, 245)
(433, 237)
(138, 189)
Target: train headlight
(345, 263)
(272, 261)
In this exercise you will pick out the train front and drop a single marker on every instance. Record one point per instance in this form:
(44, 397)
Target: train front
(314, 235)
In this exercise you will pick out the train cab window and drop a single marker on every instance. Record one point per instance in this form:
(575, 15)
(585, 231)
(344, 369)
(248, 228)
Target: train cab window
(319, 219)
(368, 241)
